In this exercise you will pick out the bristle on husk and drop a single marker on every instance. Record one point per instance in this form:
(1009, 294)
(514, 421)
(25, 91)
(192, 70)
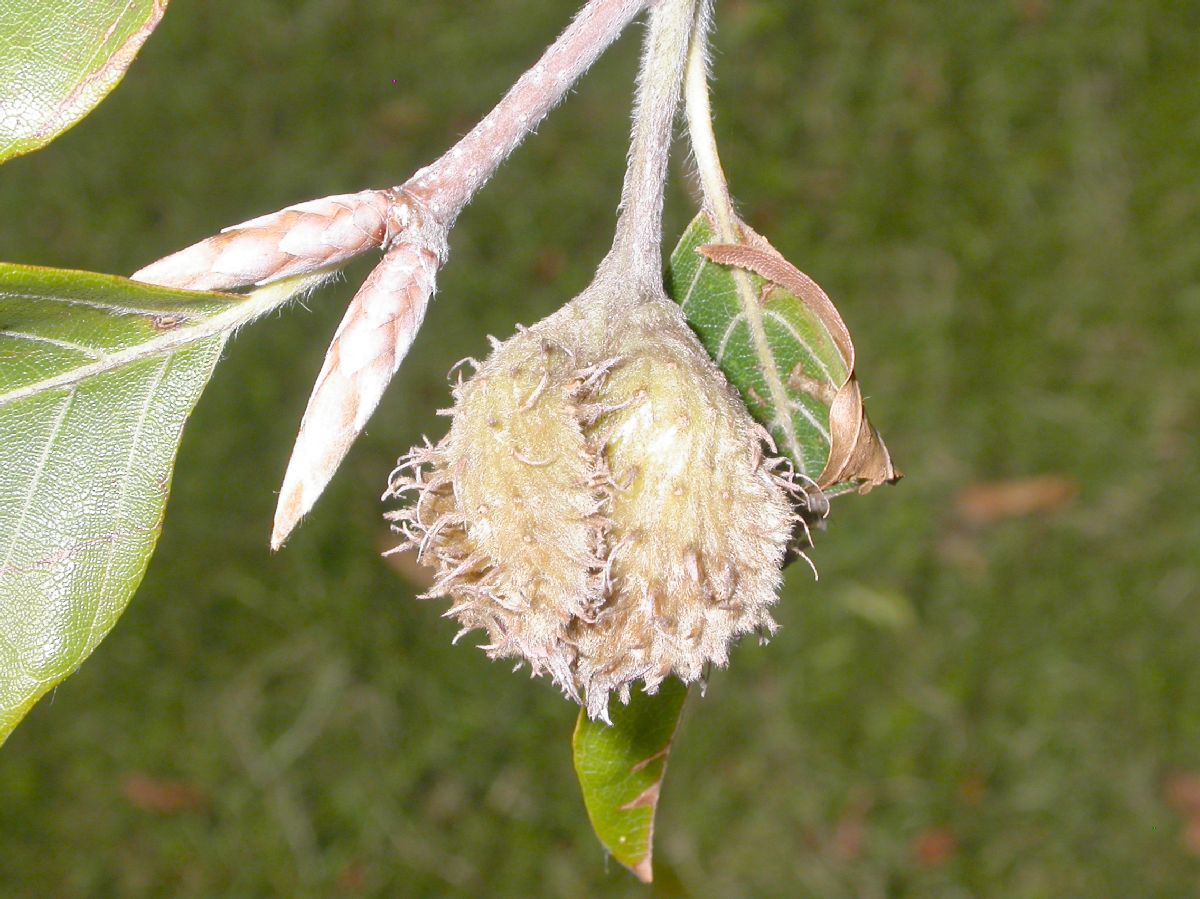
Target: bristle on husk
(602, 505)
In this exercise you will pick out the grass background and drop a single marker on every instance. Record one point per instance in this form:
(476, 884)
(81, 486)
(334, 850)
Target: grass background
(1003, 199)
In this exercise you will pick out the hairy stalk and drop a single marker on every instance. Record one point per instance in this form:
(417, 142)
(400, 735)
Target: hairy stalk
(447, 185)
(719, 205)
(636, 255)
(715, 188)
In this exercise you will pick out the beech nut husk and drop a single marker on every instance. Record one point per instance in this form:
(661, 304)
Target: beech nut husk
(603, 506)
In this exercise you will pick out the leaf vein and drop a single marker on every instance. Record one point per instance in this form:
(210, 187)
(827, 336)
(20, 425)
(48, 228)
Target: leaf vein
(776, 390)
(691, 290)
(91, 352)
(798, 406)
(87, 304)
(125, 483)
(790, 328)
(27, 503)
(732, 326)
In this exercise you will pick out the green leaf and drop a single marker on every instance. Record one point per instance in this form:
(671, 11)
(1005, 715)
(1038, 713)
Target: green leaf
(98, 375)
(621, 768)
(58, 59)
(780, 341)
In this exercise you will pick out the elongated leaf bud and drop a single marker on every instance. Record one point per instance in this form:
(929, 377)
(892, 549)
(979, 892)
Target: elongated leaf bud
(372, 340)
(318, 234)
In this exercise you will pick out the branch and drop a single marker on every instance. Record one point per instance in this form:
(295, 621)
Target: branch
(411, 223)
(448, 185)
(329, 232)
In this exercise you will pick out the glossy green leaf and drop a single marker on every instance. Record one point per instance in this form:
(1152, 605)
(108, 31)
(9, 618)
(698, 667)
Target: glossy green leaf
(59, 58)
(621, 768)
(780, 341)
(98, 375)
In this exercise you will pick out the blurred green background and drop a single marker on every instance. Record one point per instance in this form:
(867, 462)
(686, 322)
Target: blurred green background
(982, 696)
